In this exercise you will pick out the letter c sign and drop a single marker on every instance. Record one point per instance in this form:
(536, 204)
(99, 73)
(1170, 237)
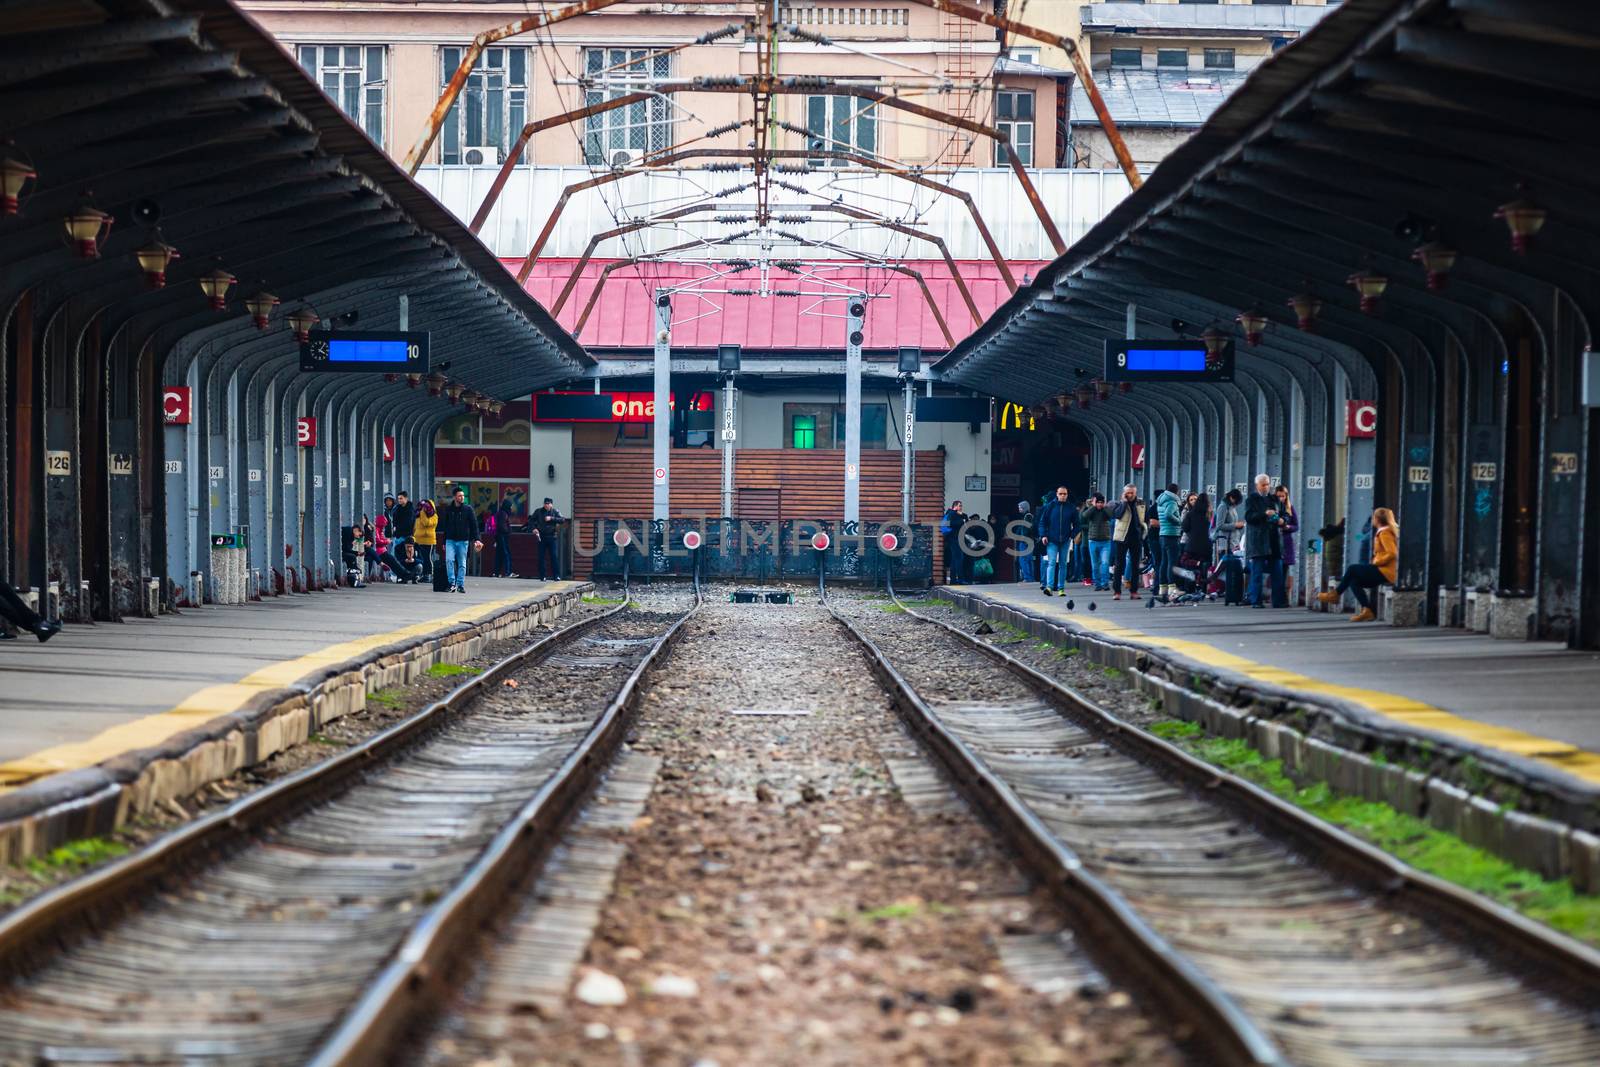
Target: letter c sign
(1361, 418)
(175, 405)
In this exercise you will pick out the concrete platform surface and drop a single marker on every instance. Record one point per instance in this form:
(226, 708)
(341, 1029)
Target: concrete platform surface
(93, 692)
(1537, 700)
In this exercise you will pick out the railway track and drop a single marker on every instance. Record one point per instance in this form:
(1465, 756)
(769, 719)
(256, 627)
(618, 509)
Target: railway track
(309, 915)
(1273, 937)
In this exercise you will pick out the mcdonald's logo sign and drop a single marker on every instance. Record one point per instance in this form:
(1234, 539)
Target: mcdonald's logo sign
(468, 462)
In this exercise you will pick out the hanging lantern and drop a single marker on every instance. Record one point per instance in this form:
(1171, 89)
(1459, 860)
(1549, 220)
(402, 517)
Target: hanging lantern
(1306, 309)
(302, 321)
(260, 306)
(391, 377)
(1254, 325)
(1125, 387)
(1216, 343)
(154, 259)
(1063, 402)
(1370, 285)
(436, 383)
(1084, 393)
(86, 228)
(453, 391)
(1438, 260)
(413, 380)
(215, 284)
(1102, 391)
(1524, 218)
(496, 407)
(14, 177)
(471, 399)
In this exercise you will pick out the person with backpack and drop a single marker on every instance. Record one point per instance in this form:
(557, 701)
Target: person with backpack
(424, 532)
(955, 560)
(458, 530)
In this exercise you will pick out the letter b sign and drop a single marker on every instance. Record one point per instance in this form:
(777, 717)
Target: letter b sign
(305, 432)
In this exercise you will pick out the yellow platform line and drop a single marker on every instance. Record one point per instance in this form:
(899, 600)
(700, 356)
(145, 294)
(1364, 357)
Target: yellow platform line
(227, 697)
(1565, 757)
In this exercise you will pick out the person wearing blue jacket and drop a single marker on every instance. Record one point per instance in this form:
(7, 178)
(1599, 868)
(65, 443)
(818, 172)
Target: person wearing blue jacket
(1169, 507)
(1058, 525)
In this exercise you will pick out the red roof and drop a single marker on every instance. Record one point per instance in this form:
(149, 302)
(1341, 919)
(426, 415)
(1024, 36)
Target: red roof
(625, 318)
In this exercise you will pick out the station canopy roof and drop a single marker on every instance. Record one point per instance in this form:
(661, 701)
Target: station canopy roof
(189, 107)
(1391, 124)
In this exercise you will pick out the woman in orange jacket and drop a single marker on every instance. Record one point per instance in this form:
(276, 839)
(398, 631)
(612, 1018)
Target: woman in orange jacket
(1363, 579)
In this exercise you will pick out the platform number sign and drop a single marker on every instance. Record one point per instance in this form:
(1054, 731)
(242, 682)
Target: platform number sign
(1361, 481)
(1485, 472)
(316, 481)
(1313, 481)
(1563, 463)
(58, 464)
(121, 463)
(1419, 475)
(214, 473)
(172, 466)
(255, 474)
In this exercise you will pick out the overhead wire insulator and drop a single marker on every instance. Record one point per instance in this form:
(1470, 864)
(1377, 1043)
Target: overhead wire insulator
(720, 130)
(807, 35)
(792, 220)
(723, 167)
(730, 219)
(721, 82)
(741, 292)
(790, 265)
(808, 81)
(785, 292)
(716, 35)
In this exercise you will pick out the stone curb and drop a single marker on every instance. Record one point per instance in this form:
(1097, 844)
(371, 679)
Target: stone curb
(1557, 842)
(97, 800)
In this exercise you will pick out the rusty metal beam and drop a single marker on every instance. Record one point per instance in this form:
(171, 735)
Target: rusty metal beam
(1080, 66)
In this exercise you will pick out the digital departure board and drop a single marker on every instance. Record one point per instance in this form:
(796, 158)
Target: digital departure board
(1167, 361)
(365, 352)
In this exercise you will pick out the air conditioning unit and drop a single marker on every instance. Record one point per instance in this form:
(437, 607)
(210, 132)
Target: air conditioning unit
(621, 160)
(488, 155)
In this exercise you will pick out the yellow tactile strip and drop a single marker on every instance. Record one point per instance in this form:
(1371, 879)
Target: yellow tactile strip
(1568, 758)
(227, 697)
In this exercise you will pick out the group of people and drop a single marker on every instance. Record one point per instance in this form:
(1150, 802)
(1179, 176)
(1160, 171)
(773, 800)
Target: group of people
(1109, 546)
(407, 542)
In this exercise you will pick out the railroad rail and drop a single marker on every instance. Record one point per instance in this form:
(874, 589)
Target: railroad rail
(1271, 936)
(305, 921)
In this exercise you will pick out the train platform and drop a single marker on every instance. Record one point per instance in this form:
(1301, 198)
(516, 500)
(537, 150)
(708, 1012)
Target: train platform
(1532, 702)
(104, 704)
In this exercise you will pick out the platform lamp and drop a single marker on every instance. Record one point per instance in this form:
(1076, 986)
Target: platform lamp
(910, 360)
(86, 227)
(302, 321)
(1370, 285)
(436, 383)
(1102, 390)
(1216, 343)
(1085, 395)
(1064, 401)
(260, 306)
(154, 258)
(215, 283)
(1254, 325)
(1306, 309)
(15, 174)
(453, 391)
(1438, 259)
(1524, 218)
(728, 359)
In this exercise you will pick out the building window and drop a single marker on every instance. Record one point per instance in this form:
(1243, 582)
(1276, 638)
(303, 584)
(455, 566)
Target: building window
(1025, 55)
(841, 124)
(1127, 57)
(1013, 111)
(621, 137)
(1173, 57)
(491, 110)
(1219, 59)
(353, 75)
(874, 425)
(802, 431)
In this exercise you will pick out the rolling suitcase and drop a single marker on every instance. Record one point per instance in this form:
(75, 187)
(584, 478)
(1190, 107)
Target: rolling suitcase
(441, 577)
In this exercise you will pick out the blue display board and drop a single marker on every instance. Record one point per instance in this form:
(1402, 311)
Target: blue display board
(365, 352)
(1135, 360)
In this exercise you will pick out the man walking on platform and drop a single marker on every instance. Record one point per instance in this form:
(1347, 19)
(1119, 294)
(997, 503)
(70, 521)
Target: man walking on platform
(1127, 542)
(547, 528)
(1058, 525)
(1263, 544)
(1095, 522)
(458, 531)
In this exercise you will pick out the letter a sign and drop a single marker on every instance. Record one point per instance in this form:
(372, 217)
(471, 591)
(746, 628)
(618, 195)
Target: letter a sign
(1137, 459)
(305, 432)
(388, 450)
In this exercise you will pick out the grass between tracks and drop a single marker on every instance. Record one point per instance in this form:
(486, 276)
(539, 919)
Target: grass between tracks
(1555, 903)
(593, 598)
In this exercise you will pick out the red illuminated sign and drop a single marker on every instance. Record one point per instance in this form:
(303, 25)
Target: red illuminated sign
(488, 464)
(305, 432)
(625, 407)
(388, 450)
(175, 405)
(1137, 458)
